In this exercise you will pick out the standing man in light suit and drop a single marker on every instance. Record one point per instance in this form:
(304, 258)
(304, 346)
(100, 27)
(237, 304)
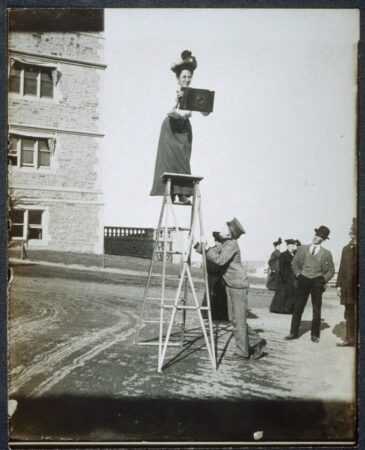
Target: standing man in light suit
(313, 267)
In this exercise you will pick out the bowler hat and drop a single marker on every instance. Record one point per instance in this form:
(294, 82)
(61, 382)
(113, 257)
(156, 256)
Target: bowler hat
(278, 242)
(187, 62)
(236, 228)
(323, 232)
(290, 241)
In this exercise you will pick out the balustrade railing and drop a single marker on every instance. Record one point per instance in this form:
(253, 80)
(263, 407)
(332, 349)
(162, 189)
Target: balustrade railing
(128, 232)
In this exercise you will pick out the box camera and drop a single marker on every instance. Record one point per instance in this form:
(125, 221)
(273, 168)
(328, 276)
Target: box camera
(201, 100)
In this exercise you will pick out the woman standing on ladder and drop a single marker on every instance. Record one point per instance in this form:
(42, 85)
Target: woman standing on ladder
(174, 146)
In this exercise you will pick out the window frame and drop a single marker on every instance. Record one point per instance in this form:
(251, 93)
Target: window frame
(17, 152)
(22, 67)
(27, 226)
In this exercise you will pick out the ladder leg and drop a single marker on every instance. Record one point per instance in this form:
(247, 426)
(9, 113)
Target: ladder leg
(172, 318)
(155, 248)
(205, 274)
(185, 299)
(168, 188)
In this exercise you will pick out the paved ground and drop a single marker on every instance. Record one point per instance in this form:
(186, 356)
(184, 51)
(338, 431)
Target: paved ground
(77, 375)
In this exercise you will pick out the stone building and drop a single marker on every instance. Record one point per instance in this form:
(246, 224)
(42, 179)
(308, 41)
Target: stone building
(56, 140)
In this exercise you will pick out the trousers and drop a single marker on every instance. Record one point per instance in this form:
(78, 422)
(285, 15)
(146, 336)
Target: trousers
(313, 287)
(245, 337)
(350, 317)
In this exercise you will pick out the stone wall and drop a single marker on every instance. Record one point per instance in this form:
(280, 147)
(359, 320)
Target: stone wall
(129, 241)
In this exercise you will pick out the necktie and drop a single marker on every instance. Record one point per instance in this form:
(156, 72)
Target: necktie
(314, 250)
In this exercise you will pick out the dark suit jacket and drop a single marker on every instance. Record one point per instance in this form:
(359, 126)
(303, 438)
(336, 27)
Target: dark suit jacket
(325, 262)
(347, 275)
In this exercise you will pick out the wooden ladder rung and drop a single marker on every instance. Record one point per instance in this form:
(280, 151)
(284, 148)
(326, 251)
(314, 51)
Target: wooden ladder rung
(185, 307)
(168, 252)
(172, 344)
(177, 324)
(168, 299)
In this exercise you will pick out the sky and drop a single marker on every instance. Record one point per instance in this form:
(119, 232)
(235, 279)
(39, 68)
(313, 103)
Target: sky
(279, 150)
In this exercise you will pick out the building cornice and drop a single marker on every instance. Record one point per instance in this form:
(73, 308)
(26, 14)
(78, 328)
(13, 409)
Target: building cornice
(61, 59)
(38, 187)
(21, 126)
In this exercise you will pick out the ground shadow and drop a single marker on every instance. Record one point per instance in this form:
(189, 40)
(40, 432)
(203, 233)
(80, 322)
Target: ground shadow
(306, 326)
(155, 419)
(339, 330)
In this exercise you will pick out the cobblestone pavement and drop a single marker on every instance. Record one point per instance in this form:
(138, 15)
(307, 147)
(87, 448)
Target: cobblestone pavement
(77, 375)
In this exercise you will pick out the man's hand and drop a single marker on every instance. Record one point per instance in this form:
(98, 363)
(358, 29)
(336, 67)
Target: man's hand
(339, 291)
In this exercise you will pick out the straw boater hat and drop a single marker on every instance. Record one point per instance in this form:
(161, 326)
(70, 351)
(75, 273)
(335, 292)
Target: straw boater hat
(187, 62)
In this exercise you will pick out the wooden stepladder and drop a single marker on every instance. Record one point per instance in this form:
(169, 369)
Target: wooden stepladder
(171, 308)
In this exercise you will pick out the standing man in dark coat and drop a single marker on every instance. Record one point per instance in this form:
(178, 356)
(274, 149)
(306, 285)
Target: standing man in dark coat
(347, 286)
(313, 267)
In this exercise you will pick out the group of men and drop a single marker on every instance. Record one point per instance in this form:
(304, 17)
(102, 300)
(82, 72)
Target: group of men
(312, 266)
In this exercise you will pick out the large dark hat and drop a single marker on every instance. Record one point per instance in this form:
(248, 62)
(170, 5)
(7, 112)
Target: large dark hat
(187, 62)
(298, 243)
(236, 228)
(278, 242)
(290, 241)
(354, 225)
(323, 232)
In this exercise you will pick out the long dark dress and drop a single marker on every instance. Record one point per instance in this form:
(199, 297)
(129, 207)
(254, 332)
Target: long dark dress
(273, 278)
(283, 300)
(173, 152)
(217, 294)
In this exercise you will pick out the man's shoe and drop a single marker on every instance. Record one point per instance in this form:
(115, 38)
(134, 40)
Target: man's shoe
(290, 337)
(345, 344)
(237, 357)
(258, 349)
(315, 339)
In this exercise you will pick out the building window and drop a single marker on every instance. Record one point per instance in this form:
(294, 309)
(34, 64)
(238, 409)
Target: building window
(26, 224)
(17, 223)
(35, 81)
(29, 152)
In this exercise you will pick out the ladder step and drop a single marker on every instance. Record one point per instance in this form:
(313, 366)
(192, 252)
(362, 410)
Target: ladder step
(168, 277)
(159, 298)
(186, 307)
(172, 344)
(168, 252)
(177, 324)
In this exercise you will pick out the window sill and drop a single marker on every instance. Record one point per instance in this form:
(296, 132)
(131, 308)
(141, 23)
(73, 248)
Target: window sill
(41, 170)
(17, 96)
